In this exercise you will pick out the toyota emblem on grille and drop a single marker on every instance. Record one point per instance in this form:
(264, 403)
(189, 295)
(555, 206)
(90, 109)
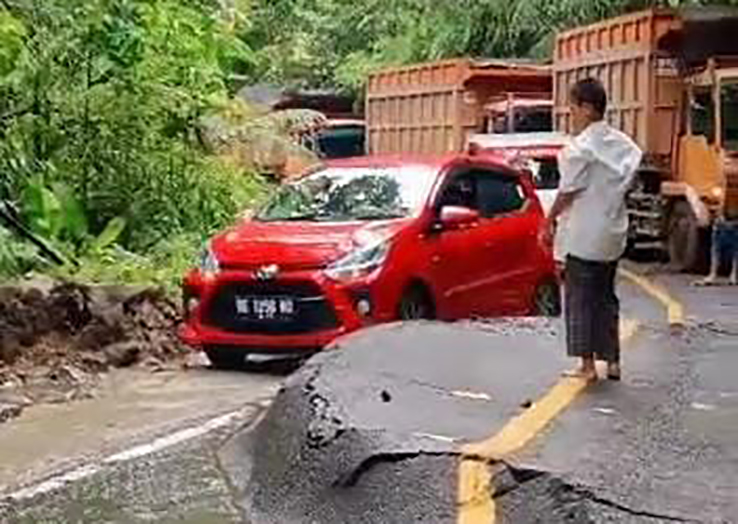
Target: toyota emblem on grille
(267, 272)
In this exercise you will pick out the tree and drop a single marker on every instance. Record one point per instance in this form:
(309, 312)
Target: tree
(336, 42)
(105, 97)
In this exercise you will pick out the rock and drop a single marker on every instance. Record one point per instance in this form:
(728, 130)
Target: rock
(67, 374)
(154, 364)
(10, 348)
(11, 398)
(123, 354)
(94, 361)
(70, 304)
(9, 411)
(55, 338)
(196, 360)
(104, 330)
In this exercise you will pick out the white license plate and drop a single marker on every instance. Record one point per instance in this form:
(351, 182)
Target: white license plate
(265, 308)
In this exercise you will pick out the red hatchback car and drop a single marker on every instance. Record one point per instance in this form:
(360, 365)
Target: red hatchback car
(367, 241)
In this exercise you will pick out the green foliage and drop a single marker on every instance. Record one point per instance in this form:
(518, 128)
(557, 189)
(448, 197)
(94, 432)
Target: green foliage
(100, 104)
(107, 98)
(17, 258)
(12, 35)
(163, 265)
(338, 41)
(103, 103)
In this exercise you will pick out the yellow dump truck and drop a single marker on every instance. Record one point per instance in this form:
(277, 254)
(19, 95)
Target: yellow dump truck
(672, 81)
(434, 108)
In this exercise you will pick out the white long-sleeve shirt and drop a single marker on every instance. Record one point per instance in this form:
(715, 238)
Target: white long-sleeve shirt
(599, 165)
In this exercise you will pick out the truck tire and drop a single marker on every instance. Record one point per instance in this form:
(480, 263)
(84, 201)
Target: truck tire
(686, 241)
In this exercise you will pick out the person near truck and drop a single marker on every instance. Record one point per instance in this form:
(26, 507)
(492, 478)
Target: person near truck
(724, 247)
(597, 168)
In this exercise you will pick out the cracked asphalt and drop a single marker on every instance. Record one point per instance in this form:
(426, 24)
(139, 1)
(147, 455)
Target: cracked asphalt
(373, 433)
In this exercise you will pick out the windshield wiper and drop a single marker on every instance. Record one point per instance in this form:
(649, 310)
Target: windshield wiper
(291, 218)
(379, 216)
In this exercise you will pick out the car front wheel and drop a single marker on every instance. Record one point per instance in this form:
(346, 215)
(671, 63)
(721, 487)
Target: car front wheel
(416, 304)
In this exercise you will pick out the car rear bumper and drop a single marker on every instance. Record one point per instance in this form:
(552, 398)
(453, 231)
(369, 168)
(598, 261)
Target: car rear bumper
(337, 317)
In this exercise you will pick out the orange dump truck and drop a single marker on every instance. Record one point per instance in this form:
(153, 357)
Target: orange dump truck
(433, 108)
(672, 81)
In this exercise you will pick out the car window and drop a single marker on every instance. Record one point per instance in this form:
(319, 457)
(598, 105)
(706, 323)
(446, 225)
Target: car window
(545, 172)
(461, 191)
(498, 194)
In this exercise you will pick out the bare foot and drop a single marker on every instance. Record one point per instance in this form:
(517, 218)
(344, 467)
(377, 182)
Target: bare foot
(613, 371)
(709, 281)
(590, 375)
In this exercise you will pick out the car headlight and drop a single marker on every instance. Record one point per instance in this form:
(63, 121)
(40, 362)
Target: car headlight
(359, 263)
(209, 264)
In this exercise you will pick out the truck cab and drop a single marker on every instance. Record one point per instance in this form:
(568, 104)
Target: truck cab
(706, 181)
(672, 81)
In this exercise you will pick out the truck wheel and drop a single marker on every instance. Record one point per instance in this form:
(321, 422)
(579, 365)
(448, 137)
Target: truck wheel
(225, 358)
(686, 239)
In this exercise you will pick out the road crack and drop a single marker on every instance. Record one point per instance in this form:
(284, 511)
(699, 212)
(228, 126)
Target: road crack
(391, 457)
(512, 479)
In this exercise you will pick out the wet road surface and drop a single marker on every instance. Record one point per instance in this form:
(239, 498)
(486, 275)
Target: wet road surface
(378, 434)
(142, 450)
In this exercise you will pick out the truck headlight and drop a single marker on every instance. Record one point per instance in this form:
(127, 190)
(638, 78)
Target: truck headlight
(209, 264)
(359, 263)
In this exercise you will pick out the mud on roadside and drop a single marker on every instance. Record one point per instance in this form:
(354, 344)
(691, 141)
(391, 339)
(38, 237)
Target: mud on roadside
(57, 338)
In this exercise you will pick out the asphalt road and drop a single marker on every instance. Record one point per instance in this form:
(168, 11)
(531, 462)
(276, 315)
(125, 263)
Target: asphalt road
(143, 450)
(376, 432)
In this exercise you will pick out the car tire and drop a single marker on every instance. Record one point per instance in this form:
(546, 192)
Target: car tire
(416, 304)
(547, 300)
(225, 358)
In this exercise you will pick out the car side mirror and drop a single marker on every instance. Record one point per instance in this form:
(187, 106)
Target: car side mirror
(456, 217)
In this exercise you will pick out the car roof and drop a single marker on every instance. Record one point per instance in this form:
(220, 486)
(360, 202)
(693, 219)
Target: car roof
(437, 162)
(519, 140)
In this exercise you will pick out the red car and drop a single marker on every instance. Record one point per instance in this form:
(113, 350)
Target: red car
(366, 241)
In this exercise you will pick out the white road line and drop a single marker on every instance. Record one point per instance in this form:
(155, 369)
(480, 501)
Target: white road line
(155, 446)
(54, 483)
(173, 439)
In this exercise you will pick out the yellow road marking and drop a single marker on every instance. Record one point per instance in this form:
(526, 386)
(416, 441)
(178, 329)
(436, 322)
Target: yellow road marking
(476, 504)
(675, 310)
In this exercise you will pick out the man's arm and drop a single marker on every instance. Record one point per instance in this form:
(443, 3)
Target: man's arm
(573, 163)
(562, 203)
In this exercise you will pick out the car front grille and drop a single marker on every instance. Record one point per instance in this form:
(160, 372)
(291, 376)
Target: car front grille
(312, 313)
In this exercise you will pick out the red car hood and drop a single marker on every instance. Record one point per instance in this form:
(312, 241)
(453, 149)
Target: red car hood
(296, 245)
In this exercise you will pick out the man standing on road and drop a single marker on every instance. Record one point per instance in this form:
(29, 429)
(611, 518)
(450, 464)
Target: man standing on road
(597, 168)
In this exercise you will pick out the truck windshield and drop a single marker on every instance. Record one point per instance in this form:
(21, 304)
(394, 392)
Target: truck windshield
(703, 114)
(341, 142)
(729, 103)
(355, 193)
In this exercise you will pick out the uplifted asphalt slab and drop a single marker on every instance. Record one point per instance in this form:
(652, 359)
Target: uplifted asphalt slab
(372, 432)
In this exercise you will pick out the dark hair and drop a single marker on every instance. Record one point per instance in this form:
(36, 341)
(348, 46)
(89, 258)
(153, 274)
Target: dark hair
(590, 91)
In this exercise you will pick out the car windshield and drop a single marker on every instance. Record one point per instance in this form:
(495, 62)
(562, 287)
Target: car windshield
(353, 193)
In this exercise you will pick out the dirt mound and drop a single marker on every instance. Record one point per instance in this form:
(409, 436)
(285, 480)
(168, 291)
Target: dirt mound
(56, 338)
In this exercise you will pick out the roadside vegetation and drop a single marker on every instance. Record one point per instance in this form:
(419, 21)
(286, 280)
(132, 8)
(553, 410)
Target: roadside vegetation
(103, 150)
